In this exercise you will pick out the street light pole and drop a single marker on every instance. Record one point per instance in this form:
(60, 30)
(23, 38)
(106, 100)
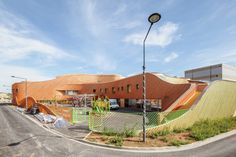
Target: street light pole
(155, 17)
(26, 90)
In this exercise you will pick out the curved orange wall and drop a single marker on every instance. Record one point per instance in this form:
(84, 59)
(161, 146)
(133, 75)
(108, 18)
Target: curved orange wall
(47, 90)
(86, 84)
(31, 102)
(156, 89)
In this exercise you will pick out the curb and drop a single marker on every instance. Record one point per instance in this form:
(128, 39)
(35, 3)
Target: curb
(136, 149)
(169, 148)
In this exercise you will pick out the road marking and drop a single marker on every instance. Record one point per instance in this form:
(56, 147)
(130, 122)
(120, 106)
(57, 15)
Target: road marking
(39, 145)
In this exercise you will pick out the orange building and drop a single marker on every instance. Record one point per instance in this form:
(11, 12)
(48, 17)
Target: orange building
(161, 90)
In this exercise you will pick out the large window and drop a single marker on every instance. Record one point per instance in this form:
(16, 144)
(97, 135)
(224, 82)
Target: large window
(129, 88)
(113, 90)
(137, 86)
(71, 92)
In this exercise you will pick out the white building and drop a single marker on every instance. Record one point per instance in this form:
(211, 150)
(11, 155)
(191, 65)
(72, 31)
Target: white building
(5, 98)
(212, 72)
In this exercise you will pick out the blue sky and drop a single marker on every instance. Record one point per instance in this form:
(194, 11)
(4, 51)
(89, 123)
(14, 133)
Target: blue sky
(42, 39)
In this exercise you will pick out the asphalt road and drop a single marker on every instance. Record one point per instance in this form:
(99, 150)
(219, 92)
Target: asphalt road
(19, 136)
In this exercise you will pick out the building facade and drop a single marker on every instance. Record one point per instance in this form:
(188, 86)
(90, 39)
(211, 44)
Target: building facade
(161, 90)
(212, 73)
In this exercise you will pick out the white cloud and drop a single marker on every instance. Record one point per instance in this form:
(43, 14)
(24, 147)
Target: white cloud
(220, 54)
(162, 37)
(19, 40)
(94, 23)
(127, 25)
(120, 9)
(171, 57)
(30, 73)
(103, 62)
(15, 45)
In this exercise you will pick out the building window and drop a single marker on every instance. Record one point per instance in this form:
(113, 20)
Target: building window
(118, 89)
(216, 75)
(94, 90)
(101, 90)
(113, 90)
(137, 86)
(122, 88)
(17, 90)
(106, 90)
(71, 92)
(128, 88)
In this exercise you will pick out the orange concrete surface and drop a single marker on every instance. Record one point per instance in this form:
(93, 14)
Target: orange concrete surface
(167, 89)
(31, 102)
(189, 97)
(65, 112)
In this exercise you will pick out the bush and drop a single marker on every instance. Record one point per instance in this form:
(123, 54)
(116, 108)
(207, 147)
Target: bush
(162, 132)
(164, 139)
(129, 132)
(117, 140)
(176, 142)
(109, 132)
(179, 130)
(207, 128)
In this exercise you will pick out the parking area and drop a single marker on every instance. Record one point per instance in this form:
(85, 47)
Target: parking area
(122, 119)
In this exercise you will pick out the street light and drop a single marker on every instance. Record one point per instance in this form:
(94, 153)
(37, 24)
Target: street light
(153, 18)
(26, 92)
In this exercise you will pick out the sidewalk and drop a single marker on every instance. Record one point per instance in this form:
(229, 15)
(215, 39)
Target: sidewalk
(77, 131)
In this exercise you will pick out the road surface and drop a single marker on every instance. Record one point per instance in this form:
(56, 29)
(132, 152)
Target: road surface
(20, 136)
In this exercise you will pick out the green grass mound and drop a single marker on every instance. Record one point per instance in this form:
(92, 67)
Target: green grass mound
(174, 114)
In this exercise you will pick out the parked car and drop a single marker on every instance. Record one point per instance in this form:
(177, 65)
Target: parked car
(113, 104)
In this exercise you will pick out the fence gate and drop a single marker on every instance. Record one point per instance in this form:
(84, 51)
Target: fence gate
(79, 115)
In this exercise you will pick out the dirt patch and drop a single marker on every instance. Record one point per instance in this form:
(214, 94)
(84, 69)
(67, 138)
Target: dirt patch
(161, 141)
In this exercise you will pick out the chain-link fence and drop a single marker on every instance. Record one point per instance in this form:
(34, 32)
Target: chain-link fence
(73, 115)
(120, 121)
(80, 115)
(116, 121)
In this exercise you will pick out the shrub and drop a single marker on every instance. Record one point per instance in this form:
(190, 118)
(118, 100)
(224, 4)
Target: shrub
(207, 128)
(109, 132)
(176, 142)
(162, 132)
(129, 132)
(179, 130)
(117, 140)
(164, 139)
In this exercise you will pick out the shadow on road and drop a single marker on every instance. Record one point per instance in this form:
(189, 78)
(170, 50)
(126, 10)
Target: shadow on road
(5, 104)
(29, 138)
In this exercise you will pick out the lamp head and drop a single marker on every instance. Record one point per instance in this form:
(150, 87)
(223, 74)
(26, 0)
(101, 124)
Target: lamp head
(155, 17)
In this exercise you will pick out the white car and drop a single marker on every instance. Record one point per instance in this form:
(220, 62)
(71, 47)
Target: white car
(113, 104)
